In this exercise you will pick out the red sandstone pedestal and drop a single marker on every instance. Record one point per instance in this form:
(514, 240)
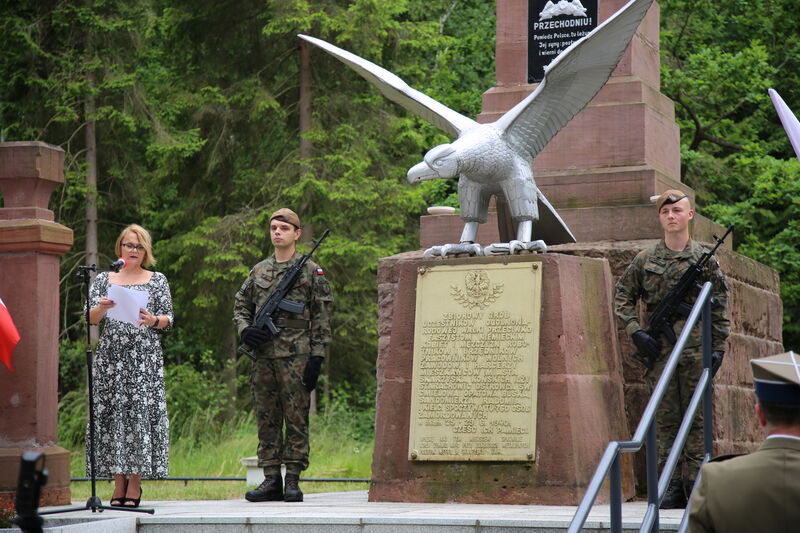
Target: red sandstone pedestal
(30, 246)
(580, 404)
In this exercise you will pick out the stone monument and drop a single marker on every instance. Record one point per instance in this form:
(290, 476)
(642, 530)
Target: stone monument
(516, 399)
(599, 172)
(31, 244)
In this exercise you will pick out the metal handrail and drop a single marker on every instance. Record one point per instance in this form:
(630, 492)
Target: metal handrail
(610, 463)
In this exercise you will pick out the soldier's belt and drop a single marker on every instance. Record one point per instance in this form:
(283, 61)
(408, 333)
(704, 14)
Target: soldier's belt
(292, 323)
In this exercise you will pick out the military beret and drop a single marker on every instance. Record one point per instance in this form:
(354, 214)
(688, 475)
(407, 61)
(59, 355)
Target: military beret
(669, 197)
(777, 378)
(285, 214)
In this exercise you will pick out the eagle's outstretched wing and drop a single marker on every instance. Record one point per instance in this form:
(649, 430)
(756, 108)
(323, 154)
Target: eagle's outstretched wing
(788, 119)
(398, 91)
(572, 79)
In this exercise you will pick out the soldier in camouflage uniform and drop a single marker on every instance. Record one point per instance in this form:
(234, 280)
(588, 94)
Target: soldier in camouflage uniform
(649, 277)
(287, 366)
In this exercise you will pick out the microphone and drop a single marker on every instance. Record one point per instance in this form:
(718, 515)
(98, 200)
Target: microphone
(116, 265)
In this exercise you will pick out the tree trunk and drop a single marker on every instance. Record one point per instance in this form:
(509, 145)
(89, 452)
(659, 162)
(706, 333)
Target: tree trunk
(305, 104)
(304, 127)
(91, 182)
(305, 150)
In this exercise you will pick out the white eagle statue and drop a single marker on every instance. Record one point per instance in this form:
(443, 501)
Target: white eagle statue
(495, 158)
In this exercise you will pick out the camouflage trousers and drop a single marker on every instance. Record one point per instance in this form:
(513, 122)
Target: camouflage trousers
(673, 406)
(281, 402)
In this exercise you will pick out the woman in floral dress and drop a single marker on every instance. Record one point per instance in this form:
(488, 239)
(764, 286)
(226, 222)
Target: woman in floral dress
(131, 425)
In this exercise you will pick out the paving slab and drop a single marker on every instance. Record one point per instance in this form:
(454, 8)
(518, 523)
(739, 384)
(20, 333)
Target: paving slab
(350, 512)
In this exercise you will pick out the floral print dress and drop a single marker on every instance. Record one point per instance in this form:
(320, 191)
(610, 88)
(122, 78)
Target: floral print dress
(130, 406)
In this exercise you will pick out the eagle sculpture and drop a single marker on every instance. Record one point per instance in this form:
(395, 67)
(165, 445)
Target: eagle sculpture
(495, 159)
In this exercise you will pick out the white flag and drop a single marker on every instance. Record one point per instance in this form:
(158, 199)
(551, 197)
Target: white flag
(788, 119)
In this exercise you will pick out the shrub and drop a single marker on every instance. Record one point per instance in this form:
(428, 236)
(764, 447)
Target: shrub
(71, 366)
(193, 397)
(72, 416)
(6, 514)
(350, 413)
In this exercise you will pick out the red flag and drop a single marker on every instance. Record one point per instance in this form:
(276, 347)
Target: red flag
(9, 336)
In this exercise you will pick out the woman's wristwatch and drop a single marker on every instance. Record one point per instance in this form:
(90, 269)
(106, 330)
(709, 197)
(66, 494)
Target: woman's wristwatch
(155, 324)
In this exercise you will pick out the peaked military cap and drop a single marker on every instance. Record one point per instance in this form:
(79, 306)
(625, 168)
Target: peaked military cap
(669, 197)
(777, 378)
(285, 214)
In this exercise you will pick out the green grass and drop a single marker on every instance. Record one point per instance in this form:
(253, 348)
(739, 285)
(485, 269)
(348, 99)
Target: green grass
(196, 490)
(207, 449)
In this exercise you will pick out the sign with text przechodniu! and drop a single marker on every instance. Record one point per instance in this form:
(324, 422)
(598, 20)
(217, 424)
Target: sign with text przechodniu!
(552, 27)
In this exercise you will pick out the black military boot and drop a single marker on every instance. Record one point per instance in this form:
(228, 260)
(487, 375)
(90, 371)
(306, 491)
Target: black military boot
(292, 492)
(270, 490)
(675, 497)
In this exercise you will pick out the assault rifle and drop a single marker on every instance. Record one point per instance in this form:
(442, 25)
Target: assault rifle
(672, 307)
(277, 300)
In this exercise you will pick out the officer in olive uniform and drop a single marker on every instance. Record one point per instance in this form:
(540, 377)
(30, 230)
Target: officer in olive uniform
(649, 277)
(287, 367)
(758, 492)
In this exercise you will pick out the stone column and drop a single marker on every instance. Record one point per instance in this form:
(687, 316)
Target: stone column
(31, 244)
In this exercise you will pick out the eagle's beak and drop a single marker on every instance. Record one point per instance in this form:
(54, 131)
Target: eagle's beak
(420, 172)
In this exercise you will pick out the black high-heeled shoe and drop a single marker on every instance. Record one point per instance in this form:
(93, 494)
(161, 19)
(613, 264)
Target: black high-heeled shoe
(122, 499)
(135, 501)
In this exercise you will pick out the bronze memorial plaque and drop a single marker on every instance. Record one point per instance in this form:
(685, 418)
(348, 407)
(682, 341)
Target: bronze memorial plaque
(476, 363)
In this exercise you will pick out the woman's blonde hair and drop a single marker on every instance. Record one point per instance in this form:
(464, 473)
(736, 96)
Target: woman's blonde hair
(144, 239)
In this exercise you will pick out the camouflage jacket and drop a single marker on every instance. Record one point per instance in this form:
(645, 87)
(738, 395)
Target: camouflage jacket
(311, 289)
(653, 272)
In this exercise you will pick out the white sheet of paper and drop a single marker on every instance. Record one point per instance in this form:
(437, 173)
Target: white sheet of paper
(128, 301)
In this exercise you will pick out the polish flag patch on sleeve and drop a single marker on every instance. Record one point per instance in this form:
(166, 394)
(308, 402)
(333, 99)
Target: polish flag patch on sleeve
(320, 272)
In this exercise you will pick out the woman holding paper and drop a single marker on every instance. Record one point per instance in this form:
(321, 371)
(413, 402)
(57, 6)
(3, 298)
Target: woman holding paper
(131, 425)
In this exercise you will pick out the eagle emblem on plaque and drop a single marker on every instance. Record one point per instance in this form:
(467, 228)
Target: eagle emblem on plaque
(478, 290)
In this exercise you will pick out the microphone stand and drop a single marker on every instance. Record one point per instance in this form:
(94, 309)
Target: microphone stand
(93, 502)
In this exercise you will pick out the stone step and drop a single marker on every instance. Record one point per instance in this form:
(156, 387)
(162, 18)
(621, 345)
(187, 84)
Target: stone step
(347, 512)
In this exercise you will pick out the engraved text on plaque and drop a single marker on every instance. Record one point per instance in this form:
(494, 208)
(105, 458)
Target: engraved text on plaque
(476, 353)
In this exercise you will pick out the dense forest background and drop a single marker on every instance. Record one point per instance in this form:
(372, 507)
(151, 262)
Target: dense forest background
(183, 116)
